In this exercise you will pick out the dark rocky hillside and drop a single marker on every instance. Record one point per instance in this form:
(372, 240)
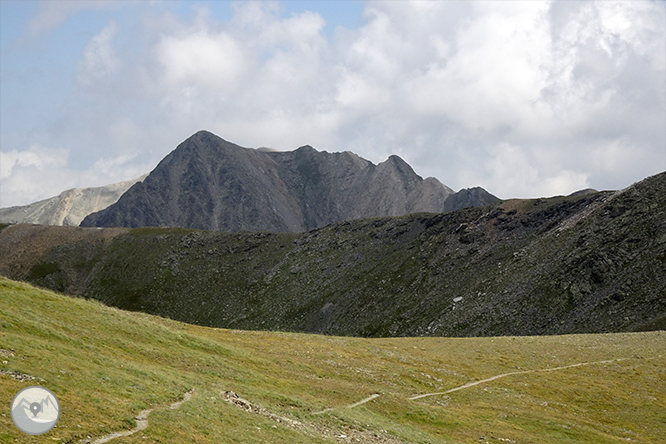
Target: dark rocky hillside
(593, 262)
(209, 183)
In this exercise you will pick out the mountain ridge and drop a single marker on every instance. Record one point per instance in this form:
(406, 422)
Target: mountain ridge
(588, 263)
(212, 184)
(69, 207)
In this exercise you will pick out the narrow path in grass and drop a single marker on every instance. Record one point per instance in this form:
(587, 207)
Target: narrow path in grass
(482, 381)
(141, 422)
(142, 417)
(552, 369)
(363, 401)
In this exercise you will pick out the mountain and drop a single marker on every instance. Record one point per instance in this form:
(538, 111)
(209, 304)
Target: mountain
(211, 184)
(589, 263)
(69, 207)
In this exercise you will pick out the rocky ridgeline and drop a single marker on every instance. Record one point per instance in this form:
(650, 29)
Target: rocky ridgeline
(69, 207)
(593, 262)
(211, 184)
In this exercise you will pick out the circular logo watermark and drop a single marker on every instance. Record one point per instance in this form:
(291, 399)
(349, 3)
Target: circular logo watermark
(35, 410)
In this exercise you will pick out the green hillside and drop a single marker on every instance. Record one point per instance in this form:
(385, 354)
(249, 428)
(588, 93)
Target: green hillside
(107, 365)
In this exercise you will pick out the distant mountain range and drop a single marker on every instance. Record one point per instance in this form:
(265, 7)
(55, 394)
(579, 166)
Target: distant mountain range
(590, 262)
(68, 207)
(211, 184)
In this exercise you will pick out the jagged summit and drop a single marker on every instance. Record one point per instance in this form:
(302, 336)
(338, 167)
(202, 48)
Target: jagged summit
(212, 184)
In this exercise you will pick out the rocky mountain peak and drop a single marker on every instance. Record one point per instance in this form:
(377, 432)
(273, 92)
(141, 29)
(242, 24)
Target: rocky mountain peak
(210, 183)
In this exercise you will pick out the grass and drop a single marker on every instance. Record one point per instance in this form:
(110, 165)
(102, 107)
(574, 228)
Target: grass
(105, 365)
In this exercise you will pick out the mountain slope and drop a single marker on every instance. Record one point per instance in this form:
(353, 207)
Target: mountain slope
(577, 264)
(209, 183)
(106, 366)
(69, 207)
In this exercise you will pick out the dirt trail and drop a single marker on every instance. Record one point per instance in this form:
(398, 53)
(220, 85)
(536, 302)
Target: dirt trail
(363, 401)
(472, 384)
(231, 397)
(482, 381)
(141, 422)
(345, 434)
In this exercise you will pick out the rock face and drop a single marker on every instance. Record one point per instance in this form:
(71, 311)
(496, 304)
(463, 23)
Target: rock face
(209, 183)
(69, 207)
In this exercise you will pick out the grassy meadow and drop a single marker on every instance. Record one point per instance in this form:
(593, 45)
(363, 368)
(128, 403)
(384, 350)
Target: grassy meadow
(106, 365)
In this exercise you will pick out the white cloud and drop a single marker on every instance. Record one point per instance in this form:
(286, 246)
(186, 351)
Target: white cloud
(109, 170)
(37, 157)
(514, 171)
(493, 78)
(609, 156)
(52, 14)
(356, 91)
(33, 174)
(40, 172)
(564, 182)
(99, 57)
(200, 59)
(523, 98)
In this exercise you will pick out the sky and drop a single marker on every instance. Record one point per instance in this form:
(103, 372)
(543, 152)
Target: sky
(525, 98)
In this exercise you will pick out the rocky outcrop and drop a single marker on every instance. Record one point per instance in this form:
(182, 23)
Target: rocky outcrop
(209, 183)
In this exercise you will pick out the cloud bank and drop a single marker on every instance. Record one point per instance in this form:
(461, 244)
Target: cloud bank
(523, 98)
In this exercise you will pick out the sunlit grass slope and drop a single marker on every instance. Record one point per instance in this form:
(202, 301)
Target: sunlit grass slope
(106, 365)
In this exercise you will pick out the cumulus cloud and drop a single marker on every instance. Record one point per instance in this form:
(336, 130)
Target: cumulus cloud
(523, 98)
(37, 157)
(510, 168)
(41, 172)
(255, 80)
(33, 174)
(496, 73)
(209, 61)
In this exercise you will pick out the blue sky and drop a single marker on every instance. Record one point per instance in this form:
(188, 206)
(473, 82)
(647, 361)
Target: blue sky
(523, 98)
